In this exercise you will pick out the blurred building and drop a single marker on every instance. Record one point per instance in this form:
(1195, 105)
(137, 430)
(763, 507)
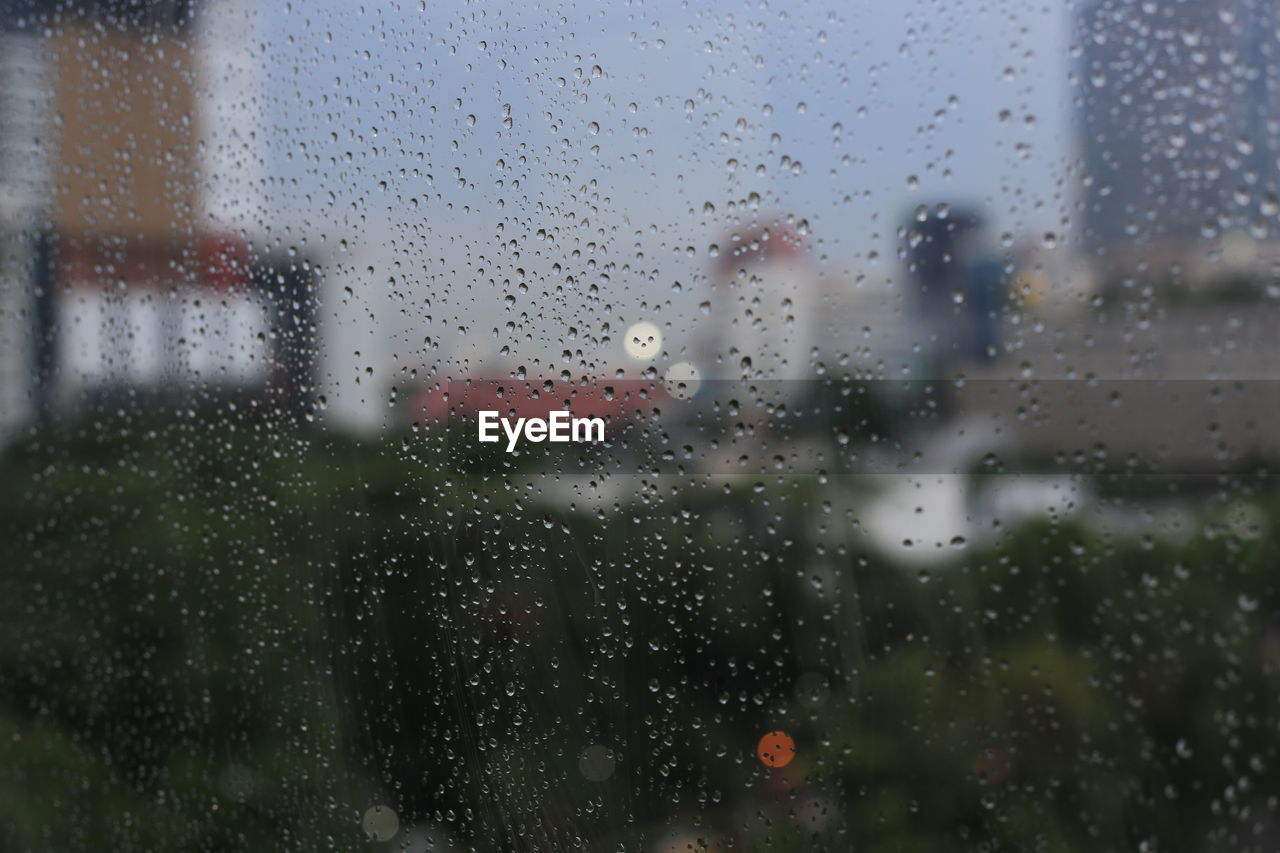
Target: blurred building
(1180, 135)
(24, 121)
(957, 284)
(114, 279)
(764, 307)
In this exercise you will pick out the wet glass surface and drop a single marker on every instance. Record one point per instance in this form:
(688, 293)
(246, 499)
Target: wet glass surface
(653, 427)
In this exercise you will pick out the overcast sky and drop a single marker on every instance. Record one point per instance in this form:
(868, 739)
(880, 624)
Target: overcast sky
(461, 149)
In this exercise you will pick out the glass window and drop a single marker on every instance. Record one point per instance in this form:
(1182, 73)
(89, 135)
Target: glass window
(641, 427)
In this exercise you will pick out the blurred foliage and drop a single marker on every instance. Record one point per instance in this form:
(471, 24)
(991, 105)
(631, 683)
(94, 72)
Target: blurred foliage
(241, 636)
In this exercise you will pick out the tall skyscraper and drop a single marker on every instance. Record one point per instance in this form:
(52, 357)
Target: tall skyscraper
(25, 123)
(1179, 133)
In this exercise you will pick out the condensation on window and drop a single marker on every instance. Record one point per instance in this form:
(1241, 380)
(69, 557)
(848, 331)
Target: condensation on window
(639, 427)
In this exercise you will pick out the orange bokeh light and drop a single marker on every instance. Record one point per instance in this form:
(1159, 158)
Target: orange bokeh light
(776, 749)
